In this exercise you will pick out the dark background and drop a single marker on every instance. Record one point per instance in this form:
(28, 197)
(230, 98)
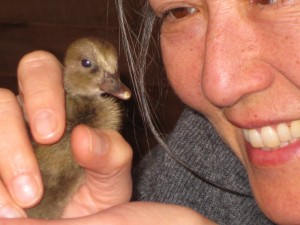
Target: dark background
(52, 25)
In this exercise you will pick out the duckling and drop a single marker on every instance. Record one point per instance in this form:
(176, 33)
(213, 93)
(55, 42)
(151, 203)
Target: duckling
(90, 73)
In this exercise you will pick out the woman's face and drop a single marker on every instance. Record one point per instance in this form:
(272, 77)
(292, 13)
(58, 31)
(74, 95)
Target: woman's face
(238, 62)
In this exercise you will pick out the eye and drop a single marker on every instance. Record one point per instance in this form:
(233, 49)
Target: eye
(264, 2)
(180, 12)
(86, 63)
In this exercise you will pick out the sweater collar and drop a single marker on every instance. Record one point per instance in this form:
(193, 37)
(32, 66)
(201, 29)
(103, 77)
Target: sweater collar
(195, 143)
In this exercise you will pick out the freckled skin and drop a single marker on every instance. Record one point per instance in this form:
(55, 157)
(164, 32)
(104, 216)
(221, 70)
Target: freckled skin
(62, 176)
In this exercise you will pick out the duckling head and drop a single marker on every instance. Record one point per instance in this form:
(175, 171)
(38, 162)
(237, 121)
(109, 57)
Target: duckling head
(91, 68)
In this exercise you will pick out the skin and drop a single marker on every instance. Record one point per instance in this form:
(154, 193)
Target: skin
(104, 154)
(98, 147)
(90, 68)
(222, 61)
(209, 54)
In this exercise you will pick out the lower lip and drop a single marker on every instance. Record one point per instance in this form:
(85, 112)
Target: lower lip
(274, 157)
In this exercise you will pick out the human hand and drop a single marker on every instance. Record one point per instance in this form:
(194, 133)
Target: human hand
(133, 213)
(107, 162)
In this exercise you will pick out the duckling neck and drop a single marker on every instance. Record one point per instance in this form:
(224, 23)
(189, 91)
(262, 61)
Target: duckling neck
(80, 110)
(94, 111)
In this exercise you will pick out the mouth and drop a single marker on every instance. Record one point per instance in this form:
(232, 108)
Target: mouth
(274, 145)
(112, 85)
(273, 137)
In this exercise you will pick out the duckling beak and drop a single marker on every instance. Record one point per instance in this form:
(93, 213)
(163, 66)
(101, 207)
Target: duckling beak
(112, 85)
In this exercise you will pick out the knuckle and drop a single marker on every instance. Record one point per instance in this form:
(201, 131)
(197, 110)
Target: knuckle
(7, 100)
(32, 65)
(38, 90)
(36, 59)
(6, 95)
(39, 76)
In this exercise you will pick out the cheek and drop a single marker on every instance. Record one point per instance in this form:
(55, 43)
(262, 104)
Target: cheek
(183, 55)
(183, 60)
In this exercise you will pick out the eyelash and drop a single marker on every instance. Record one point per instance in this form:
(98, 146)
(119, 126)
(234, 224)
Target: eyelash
(272, 4)
(191, 10)
(179, 12)
(264, 2)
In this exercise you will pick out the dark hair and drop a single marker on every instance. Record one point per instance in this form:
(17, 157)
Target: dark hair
(136, 45)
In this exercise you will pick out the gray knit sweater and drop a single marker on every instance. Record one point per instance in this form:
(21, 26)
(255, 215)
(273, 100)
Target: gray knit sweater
(215, 183)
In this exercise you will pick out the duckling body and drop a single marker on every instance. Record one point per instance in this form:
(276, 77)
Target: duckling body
(90, 71)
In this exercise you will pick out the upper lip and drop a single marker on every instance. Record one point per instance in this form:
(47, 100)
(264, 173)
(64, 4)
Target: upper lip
(256, 120)
(256, 111)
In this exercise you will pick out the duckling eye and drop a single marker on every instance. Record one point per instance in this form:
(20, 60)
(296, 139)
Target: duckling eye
(86, 63)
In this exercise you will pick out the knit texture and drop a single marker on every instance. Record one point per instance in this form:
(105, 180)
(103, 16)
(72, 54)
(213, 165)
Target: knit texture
(223, 195)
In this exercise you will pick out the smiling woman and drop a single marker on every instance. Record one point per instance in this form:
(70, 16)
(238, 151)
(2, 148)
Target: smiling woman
(232, 158)
(221, 60)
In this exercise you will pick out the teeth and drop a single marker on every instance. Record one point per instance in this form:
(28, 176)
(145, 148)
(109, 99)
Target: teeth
(295, 128)
(255, 139)
(272, 137)
(284, 132)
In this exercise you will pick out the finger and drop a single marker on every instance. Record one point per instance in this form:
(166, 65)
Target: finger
(106, 156)
(41, 87)
(149, 213)
(8, 208)
(91, 145)
(18, 167)
(130, 214)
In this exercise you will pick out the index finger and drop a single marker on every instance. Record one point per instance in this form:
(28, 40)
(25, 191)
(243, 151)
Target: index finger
(18, 167)
(41, 87)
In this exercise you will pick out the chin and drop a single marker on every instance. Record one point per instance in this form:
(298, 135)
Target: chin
(282, 212)
(277, 191)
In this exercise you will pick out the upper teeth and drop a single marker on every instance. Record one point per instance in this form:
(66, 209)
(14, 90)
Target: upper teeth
(270, 137)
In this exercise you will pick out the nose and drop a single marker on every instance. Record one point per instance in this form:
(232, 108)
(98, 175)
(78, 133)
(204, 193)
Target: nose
(233, 61)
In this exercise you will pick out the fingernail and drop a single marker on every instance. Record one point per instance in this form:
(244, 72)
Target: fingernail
(10, 212)
(45, 124)
(25, 189)
(98, 142)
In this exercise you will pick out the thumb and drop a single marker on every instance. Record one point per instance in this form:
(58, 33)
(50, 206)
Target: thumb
(106, 157)
(149, 213)
(134, 213)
